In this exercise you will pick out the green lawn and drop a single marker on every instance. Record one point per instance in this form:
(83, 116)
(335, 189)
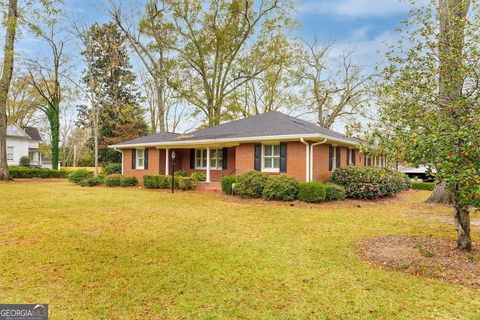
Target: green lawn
(97, 253)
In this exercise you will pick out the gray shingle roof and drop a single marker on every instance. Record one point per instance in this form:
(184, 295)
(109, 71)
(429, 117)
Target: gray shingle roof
(267, 124)
(32, 133)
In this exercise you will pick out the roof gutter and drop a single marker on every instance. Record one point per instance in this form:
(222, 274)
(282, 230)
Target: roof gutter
(307, 159)
(227, 140)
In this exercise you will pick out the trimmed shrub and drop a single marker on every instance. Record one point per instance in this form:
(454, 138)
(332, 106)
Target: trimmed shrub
(128, 181)
(311, 192)
(280, 188)
(113, 180)
(370, 182)
(186, 183)
(159, 182)
(227, 184)
(112, 168)
(180, 173)
(24, 161)
(251, 184)
(420, 185)
(92, 181)
(80, 175)
(199, 176)
(334, 192)
(17, 172)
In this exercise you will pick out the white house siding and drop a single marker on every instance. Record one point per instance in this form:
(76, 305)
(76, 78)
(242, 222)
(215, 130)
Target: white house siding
(20, 149)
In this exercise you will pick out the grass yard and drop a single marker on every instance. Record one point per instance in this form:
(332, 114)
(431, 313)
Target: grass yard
(98, 253)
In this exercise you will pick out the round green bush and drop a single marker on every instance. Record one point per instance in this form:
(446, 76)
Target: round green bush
(199, 176)
(251, 184)
(25, 161)
(78, 176)
(112, 168)
(113, 180)
(186, 183)
(92, 181)
(128, 181)
(280, 188)
(227, 184)
(159, 182)
(311, 192)
(334, 192)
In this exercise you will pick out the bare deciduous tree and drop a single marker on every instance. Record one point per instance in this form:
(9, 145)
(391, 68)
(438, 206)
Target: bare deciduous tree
(333, 92)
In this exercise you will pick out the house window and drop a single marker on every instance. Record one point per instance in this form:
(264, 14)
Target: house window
(271, 157)
(334, 158)
(216, 159)
(140, 159)
(9, 153)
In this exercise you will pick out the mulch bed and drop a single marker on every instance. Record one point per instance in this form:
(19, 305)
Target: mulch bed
(424, 256)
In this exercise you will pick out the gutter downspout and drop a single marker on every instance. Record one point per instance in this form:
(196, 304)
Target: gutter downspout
(311, 156)
(122, 156)
(307, 159)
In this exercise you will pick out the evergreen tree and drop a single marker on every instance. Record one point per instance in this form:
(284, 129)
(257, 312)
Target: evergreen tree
(117, 94)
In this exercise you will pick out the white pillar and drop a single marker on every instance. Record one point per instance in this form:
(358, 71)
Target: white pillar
(208, 165)
(167, 163)
(122, 160)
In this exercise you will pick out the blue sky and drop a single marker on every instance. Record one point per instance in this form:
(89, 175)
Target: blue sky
(366, 26)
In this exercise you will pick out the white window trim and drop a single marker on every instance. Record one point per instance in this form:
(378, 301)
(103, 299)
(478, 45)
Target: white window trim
(270, 170)
(138, 167)
(11, 153)
(204, 153)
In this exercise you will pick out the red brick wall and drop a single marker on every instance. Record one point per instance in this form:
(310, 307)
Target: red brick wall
(240, 160)
(153, 164)
(320, 161)
(244, 161)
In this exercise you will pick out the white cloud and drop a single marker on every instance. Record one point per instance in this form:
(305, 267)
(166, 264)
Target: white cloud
(357, 8)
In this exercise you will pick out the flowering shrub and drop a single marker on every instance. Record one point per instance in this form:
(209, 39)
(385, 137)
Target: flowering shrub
(370, 182)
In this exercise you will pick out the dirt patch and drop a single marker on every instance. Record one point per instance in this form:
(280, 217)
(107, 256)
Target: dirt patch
(424, 256)
(474, 222)
(347, 203)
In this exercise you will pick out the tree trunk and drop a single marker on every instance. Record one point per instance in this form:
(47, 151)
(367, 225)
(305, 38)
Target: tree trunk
(440, 195)
(5, 81)
(54, 120)
(462, 222)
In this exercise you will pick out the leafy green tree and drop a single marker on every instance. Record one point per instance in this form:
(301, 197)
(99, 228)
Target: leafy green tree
(118, 98)
(429, 101)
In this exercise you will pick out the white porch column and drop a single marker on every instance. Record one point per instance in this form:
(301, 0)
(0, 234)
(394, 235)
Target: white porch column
(208, 165)
(121, 151)
(167, 163)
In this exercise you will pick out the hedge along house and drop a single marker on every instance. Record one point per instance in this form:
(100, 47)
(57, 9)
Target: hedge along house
(271, 142)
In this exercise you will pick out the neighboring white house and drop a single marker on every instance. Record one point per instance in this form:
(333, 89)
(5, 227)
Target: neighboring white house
(23, 142)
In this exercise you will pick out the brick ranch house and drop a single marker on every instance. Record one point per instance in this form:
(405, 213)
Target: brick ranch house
(271, 142)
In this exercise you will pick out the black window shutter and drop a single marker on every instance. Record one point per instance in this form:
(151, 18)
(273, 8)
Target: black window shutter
(224, 159)
(134, 158)
(257, 157)
(192, 158)
(330, 158)
(145, 163)
(339, 150)
(283, 157)
(354, 157)
(348, 156)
